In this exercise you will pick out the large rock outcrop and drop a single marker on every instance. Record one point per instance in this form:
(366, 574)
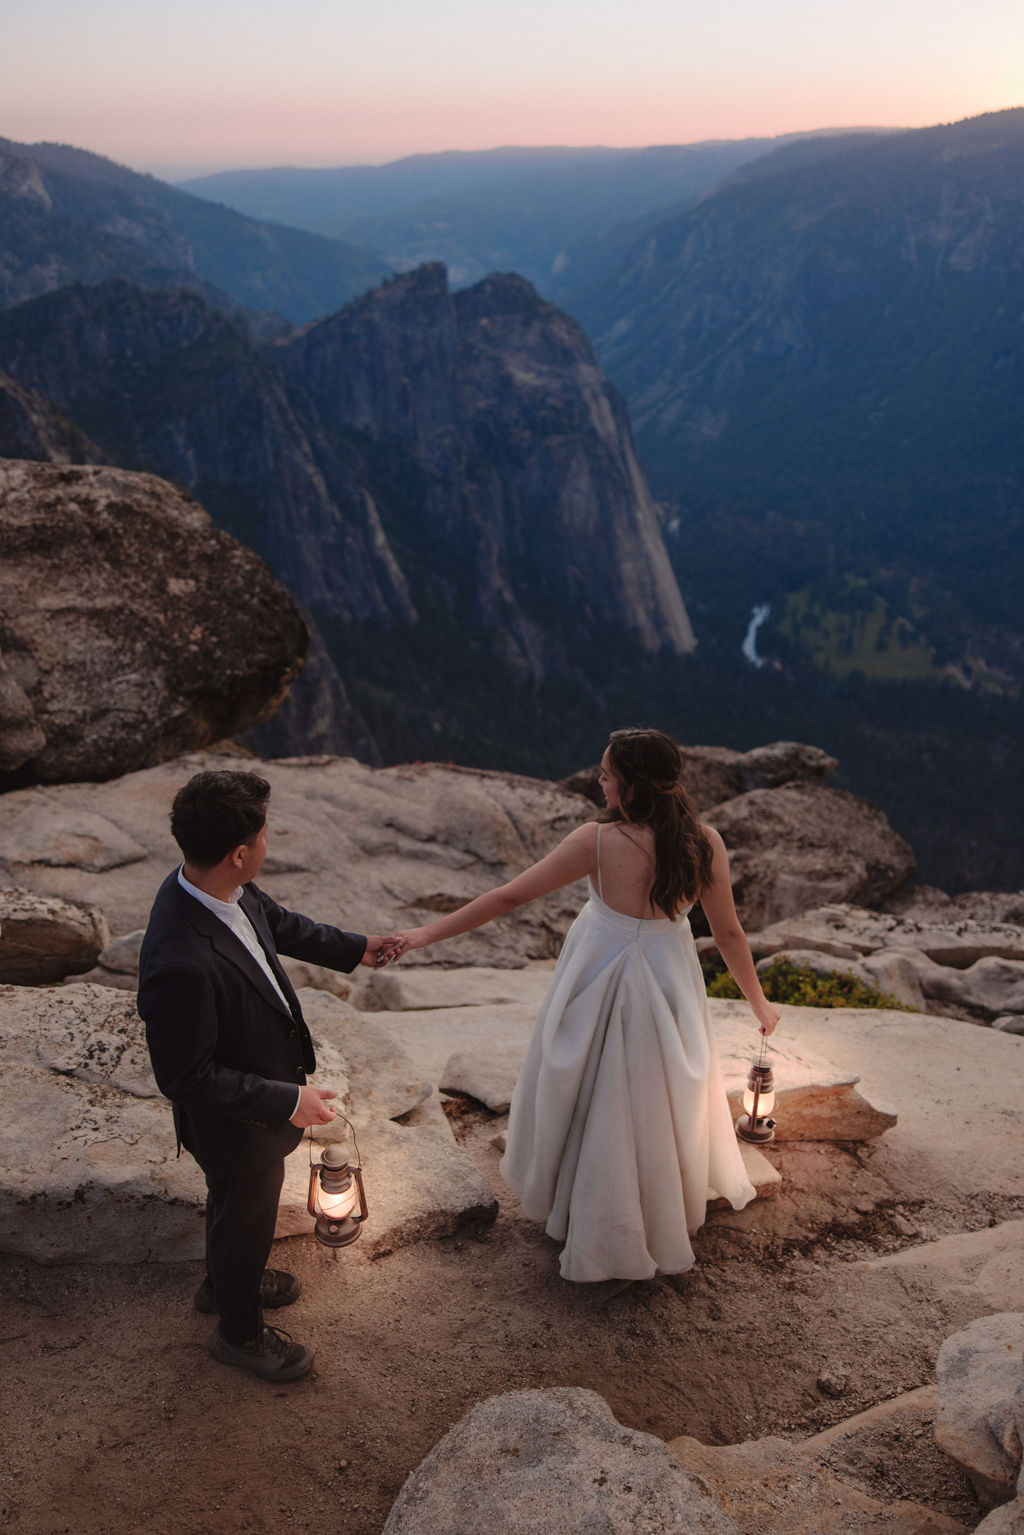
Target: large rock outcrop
(946, 937)
(131, 629)
(530, 1462)
(806, 845)
(545, 489)
(380, 845)
(712, 774)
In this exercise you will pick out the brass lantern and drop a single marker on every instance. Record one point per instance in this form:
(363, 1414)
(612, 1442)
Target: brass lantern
(757, 1125)
(337, 1200)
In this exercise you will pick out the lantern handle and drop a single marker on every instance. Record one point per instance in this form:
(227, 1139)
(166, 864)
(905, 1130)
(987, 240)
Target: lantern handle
(352, 1135)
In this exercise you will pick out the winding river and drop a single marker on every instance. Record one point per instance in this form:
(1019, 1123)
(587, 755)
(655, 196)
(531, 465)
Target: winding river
(757, 618)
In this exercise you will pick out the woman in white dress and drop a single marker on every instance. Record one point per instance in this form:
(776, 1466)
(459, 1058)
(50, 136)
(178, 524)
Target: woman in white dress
(619, 1130)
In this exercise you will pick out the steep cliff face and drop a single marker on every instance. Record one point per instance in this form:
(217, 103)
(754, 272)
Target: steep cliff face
(574, 518)
(412, 465)
(522, 458)
(32, 427)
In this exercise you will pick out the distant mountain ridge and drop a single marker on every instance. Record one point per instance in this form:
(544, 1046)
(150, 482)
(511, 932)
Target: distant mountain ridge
(328, 200)
(532, 211)
(70, 216)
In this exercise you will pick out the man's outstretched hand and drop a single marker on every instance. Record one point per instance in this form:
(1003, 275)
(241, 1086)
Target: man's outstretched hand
(314, 1107)
(377, 950)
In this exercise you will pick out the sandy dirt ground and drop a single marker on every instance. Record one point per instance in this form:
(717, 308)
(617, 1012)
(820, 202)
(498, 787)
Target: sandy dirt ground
(114, 1418)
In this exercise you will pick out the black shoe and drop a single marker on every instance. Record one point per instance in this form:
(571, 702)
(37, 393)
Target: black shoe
(271, 1355)
(276, 1289)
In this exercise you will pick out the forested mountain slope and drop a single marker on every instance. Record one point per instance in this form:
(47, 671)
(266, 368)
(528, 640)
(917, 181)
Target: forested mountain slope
(70, 216)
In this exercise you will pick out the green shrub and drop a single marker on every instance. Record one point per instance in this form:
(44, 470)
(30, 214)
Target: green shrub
(797, 984)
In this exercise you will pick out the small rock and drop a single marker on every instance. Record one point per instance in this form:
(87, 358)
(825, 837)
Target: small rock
(44, 938)
(762, 1174)
(833, 1382)
(490, 1078)
(814, 1101)
(785, 762)
(123, 954)
(893, 974)
(980, 1421)
(990, 988)
(904, 1227)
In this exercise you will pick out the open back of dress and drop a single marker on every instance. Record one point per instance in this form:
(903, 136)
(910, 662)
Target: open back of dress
(619, 1128)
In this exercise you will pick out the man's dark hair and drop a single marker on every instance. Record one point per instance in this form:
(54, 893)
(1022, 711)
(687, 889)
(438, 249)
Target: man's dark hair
(216, 812)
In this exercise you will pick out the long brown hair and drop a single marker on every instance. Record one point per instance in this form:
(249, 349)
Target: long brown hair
(647, 765)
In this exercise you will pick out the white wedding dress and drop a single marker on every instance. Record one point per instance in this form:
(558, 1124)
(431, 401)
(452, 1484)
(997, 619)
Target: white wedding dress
(619, 1130)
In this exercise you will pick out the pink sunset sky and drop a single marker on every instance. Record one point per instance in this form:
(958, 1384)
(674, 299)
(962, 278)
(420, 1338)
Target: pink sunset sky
(195, 87)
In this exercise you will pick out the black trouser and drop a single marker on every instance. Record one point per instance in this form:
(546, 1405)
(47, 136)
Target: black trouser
(241, 1213)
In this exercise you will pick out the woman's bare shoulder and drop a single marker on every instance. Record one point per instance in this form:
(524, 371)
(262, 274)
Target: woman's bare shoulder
(583, 836)
(715, 842)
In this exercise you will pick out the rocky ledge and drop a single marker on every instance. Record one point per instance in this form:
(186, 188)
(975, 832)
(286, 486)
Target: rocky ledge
(387, 847)
(90, 1170)
(944, 962)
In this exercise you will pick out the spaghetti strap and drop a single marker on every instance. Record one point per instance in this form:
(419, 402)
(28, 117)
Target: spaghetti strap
(600, 888)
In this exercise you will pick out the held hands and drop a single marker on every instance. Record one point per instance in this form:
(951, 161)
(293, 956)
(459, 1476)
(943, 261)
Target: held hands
(375, 946)
(314, 1107)
(401, 943)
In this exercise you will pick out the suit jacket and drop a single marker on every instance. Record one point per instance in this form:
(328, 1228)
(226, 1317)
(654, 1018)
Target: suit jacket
(225, 1049)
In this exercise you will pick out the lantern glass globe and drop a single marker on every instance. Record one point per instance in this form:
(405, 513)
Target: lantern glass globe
(336, 1205)
(765, 1102)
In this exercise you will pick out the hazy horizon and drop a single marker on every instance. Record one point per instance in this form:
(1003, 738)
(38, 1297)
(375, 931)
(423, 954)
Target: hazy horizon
(173, 173)
(190, 90)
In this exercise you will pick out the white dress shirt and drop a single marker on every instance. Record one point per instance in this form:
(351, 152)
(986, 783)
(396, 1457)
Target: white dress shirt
(232, 916)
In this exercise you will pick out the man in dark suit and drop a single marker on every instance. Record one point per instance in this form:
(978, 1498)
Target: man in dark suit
(231, 1050)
